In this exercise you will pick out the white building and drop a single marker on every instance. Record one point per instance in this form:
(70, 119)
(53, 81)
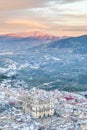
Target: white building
(39, 105)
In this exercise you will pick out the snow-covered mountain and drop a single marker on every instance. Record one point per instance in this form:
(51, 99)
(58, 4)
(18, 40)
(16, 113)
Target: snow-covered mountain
(22, 41)
(34, 34)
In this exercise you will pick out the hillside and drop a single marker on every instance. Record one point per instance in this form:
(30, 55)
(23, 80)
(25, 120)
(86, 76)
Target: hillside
(60, 64)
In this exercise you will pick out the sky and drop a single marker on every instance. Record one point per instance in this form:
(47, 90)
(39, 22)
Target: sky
(56, 17)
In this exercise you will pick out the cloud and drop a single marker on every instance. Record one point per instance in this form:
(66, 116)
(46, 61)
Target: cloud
(68, 30)
(73, 28)
(23, 4)
(53, 16)
(69, 1)
(20, 4)
(27, 23)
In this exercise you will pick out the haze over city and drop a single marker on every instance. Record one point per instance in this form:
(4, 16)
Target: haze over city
(57, 17)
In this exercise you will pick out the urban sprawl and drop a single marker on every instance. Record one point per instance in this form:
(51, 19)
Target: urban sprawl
(37, 109)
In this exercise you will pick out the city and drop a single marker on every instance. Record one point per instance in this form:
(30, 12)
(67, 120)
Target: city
(56, 110)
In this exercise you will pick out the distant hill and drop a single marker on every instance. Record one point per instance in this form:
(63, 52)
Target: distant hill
(77, 44)
(33, 35)
(23, 41)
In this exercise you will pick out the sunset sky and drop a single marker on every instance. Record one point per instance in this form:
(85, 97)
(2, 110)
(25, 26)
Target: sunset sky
(57, 17)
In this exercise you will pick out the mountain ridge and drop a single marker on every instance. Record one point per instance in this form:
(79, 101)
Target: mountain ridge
(70, 42)
(34, 34)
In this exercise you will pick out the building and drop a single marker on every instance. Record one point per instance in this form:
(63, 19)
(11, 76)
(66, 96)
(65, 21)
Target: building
(39, 105)
(84, 126)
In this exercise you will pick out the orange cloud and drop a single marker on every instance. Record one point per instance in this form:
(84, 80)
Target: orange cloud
(28, 23)
(61, 17)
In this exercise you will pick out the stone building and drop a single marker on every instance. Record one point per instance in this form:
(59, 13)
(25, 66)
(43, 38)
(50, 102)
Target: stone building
(39, 105)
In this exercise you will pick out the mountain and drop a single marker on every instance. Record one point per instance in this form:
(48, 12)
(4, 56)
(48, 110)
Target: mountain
(34, 34)
(24, 41)
(77, 44)
(59, 64)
